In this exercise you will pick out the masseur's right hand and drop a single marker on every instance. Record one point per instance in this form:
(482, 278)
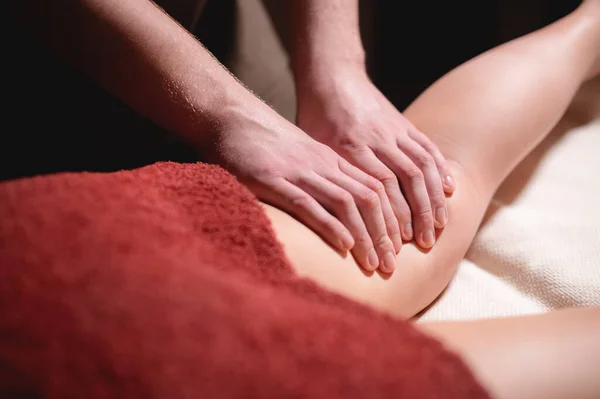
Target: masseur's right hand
(283, 166)
(136, 51)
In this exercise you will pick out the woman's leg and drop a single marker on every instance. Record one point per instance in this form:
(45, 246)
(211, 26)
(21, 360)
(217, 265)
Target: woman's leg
(554, 355)
(485, 116)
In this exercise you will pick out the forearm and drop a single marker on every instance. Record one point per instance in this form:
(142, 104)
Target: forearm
(325, 36)
(144, 57)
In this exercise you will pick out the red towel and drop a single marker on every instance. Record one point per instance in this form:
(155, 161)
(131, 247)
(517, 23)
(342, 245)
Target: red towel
(167, 282)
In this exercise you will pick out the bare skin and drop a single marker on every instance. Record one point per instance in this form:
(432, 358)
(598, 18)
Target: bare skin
(552, 356)
(339, 106)
(140, 54)
(485, 116)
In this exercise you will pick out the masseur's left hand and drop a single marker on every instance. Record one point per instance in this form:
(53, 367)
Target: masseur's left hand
(342, 108)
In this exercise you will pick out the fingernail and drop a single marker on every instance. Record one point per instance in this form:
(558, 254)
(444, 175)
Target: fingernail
(373, 259)
(449, 183)
(389, 262)
(346, 240)
(441, 216)
(408, 232)
(428, 238)
(397, 241)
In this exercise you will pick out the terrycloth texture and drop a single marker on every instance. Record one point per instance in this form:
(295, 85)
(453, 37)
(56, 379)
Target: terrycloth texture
(167, 282)
(539, 247)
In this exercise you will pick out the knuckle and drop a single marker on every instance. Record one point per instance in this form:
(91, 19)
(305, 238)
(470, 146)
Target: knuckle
(425, 213)
(370, 199)
(391, 221)
(375, 184)
(379, 187)
(424, 160)
(426, 216)
(414, 175)
(392, 225)
(381, 240)
(349, 143)
(302, 201)
(384, 175)
(343, 199)
(266, 172)
(364, 240)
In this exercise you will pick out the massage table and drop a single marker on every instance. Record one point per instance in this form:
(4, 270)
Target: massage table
(538, 247)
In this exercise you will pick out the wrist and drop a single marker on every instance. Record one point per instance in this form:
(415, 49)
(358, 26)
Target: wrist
(230, 116)
(328, 80)
(314, 64)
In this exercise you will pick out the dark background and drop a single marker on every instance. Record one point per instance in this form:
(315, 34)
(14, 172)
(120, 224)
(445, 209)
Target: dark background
(57, 120)
(410, 43)
(440, 35)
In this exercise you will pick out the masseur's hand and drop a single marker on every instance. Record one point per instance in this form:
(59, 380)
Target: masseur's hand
(136, 51)
(341, 108)
(285, 167)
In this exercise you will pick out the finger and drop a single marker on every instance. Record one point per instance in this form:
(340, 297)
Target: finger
(380, 179)
(341, 203)
(305, 208)
(415, 190)
(424, 161)
(369, 206)
(440, 160)
(392, 186)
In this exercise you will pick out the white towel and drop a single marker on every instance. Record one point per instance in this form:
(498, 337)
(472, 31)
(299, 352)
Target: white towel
(539, 246)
